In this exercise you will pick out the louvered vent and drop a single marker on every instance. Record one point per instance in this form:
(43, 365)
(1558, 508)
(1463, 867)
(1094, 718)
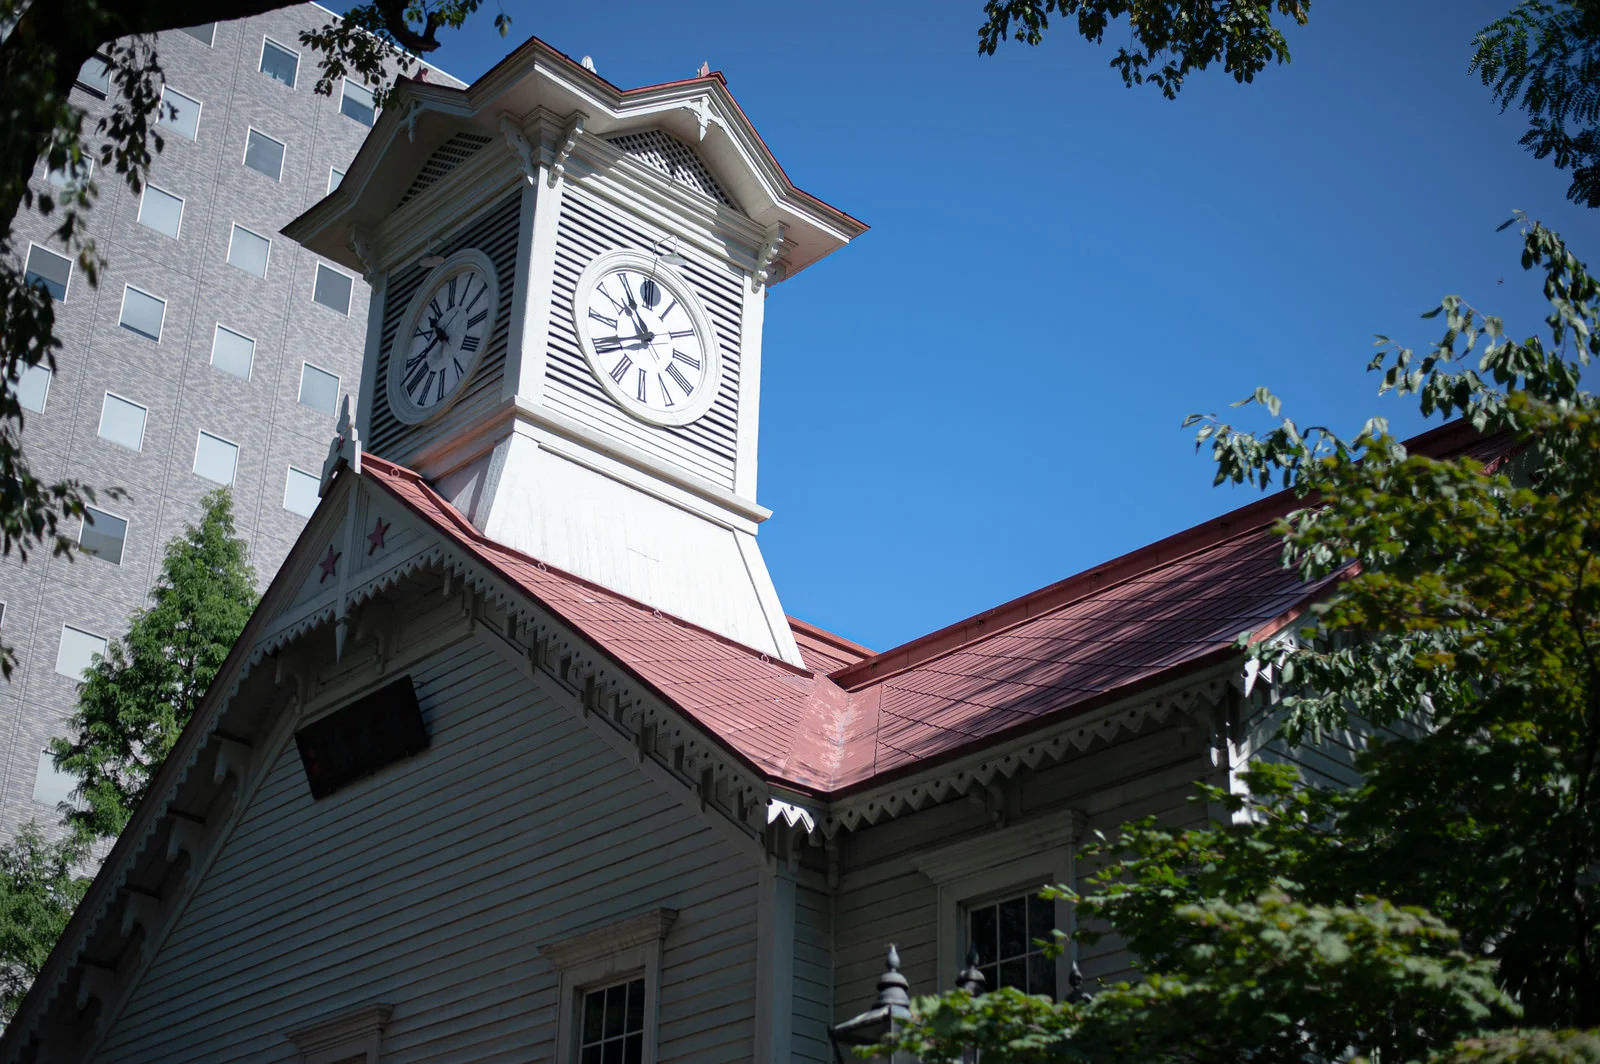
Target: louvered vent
(449, 155)
(664, 152)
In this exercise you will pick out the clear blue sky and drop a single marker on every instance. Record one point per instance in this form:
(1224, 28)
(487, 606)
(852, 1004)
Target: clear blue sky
(982, 395)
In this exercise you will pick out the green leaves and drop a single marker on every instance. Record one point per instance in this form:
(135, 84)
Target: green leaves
(38, 891)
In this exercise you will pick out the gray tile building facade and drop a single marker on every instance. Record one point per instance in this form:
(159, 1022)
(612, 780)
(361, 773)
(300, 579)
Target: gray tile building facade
(212, 349)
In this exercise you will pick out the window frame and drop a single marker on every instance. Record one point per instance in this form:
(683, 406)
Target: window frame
(232, 480)
(344, 94)
(300, 398)
(199, 109)
(1000, 864)
(127, 527)
(349, 300)
(209, 41)
(607, 955)
(262, 58)
(55, 773)
(267, 265)
(212, 361)
(144, 422)
(288, 479)
(346, 1035)
(66, 289)
(283, 157)
(92, 90)
(139, 214)
(104, 644)
(67, 182)
(123, 310)
(49, 378)
(342, 175)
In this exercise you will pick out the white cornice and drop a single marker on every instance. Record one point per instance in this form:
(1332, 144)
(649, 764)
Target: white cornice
(641, 930)
(995, 848)
(341, 1028)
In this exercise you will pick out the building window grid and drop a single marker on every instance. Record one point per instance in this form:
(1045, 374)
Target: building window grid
(122, 421)
(215, 458)
(264, 154)
(358, 102)
(73, 175)
(32, 387)
(76, 651)
(161, 210)
(103, 535)
(301, 492)
(142, 313)
(94, 77)
(205, 33)
(335, 178)
(279, 62)
(319, 389)
(1010, 936)
(244, 253)
(332, 289)
(51, 271)
(232, 352)
(179, 113)
(612, 1026)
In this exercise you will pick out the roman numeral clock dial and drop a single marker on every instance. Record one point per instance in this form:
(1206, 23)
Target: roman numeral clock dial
(442, 337)
(648, 340)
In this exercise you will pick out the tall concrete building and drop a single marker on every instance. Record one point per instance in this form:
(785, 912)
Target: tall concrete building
(213, 351)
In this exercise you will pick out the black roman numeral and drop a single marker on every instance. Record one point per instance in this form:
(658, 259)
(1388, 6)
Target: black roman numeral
(677, 375)
(459, 371)
(441, 387)
(664, 393)
(469, 344)
(481, 291)
(450, 300)
(681, 334)
(476, 318)
(641, 387)
(688, 360)
(604, 345)
(433, 305)
(597, 316)
(415, 379)
(618, 307)
(621, 368)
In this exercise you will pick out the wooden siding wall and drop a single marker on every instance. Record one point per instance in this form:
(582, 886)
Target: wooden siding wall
(813, 975)
(883, 898)
(707, 446)
(494, 232)
(431, 885)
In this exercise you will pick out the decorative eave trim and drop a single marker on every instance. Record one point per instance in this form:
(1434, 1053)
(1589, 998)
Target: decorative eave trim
(342, 1027)
(635, 931)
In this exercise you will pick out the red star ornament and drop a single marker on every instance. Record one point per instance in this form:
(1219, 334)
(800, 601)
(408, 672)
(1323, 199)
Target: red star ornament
(328, 564)
(375, 537)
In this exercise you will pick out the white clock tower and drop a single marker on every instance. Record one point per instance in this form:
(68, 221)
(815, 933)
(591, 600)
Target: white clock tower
(565, 336)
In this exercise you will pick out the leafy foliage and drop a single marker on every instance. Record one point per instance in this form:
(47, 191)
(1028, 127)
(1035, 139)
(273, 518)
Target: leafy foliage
(1170, 38)
(1457, 881)
(374, 34)
(38, 891)
(139, 695)
(1544, 56)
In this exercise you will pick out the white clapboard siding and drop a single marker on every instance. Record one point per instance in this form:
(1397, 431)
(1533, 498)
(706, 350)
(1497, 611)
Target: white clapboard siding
(431, 885)
(705, 447)
(494, 232)
(813, 976)
(899, 909)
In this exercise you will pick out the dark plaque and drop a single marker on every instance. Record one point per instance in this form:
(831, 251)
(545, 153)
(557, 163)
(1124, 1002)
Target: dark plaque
(367, 735)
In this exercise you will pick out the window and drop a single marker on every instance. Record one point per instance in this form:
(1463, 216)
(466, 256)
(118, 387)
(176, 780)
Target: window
(142, 312)
(1007, 936)
(73, 175)
(333, 289)
(77, 651)
(353, 1036)
(300, 492)
(122, 421)
(215, 458)
(179, 113)
(205, 33)
(358, 102)
(33, 388)
(51, 786)
(49, 271)
(335, 178)
(319, 389)
(279, 62)
(610, 978)
(232, 352)
(103, 535)
(161, 210)
(94, 77)
(263, 154)
(249, 251)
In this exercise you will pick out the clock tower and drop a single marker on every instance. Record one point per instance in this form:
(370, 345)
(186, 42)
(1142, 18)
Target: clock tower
(565, 336)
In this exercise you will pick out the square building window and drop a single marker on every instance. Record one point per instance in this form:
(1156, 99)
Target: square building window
(232, 352)
(49, 271)
(278, 62)
(76, 652)
(358, 102)
(263, 154)
(301, 492)
(205, 33)
(73, 175)
(33, 388)
(215, 458)
(335, 178)
(122, 421)
(179, 113)
(103, 535)
(319, 389)
(51, 786)
(142, 313)
(333, 289)
(249, 251)
(94, 77)
(161, 210)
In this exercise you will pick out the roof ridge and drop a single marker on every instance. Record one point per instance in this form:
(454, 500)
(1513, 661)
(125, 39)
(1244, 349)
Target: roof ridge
(822, 635)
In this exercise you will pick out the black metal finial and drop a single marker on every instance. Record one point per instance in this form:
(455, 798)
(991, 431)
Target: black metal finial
(893, 989)
(970, 978)
(1076, 994)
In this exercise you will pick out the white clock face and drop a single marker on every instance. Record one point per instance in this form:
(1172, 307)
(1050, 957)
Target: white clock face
(443, 337)
(647, 340)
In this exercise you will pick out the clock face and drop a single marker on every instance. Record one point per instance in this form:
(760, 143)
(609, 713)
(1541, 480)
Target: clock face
(647, 340)
(443, 336)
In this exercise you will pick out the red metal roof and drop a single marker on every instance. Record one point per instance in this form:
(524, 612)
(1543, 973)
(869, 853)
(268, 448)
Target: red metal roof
(852, 717)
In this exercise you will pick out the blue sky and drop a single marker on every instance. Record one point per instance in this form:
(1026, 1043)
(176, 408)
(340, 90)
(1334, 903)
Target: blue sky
(983, 394)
